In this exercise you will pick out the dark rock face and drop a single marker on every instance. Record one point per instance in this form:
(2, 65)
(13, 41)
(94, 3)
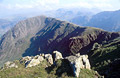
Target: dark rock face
(44, 35)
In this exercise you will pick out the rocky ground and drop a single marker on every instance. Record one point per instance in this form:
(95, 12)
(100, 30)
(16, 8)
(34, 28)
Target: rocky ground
(51, 66)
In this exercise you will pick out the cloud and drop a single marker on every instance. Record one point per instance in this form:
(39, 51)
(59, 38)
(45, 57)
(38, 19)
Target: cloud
(100, 4)
(18, 6)
(46, 4)
(29, 4)
(54, 4)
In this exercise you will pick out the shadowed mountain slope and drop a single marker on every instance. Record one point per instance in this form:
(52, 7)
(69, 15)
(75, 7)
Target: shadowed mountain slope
(106, 59)
(44, 34)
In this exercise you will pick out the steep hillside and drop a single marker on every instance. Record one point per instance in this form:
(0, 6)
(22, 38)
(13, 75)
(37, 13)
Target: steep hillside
(44, 34)
(106, 59)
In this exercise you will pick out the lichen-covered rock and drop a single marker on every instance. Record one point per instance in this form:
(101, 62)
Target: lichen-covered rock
(86, 61)
(40, 58)
(77, 62)
(10, 65)
(57, 55)
(32, 63)
(49, 58)
(25, 59)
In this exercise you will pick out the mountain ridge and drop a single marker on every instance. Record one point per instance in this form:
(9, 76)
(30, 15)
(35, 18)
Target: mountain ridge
(44, 34)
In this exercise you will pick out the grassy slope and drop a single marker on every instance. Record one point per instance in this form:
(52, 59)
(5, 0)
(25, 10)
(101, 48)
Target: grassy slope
(61, 69)
(103, 56)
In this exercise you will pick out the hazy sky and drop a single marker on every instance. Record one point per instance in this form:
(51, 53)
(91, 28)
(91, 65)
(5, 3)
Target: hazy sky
(16, 6)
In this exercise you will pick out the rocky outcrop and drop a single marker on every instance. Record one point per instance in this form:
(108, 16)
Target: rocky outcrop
(36, 60)
(25, 59)
(40, 58)
(77, 62)
(10, 65)
(49, 58)
(57, 55)
(85, 61)
(32, 63)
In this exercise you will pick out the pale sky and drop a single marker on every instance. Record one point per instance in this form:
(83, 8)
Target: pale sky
(11, 6)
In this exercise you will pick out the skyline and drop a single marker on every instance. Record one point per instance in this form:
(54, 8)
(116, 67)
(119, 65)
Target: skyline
(9, 7)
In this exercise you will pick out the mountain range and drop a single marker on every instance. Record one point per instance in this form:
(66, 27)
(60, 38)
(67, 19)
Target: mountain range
(44, 34)
(107, 20)
(8, 22)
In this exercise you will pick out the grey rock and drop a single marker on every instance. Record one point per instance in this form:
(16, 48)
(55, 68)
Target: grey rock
(26, 59)
(49, 58)
(40, 58)
(57, 55)
(86, 61)
(77, 62)
(10, 65)
(32, 63)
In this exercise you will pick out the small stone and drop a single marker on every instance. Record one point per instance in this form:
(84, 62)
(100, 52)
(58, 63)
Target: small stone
(10, 65)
